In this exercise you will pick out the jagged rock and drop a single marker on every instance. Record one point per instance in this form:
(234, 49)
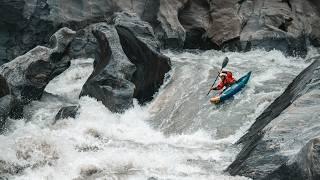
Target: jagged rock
(194, 17)
(225, 23)
(169, 30)
(6, 101)
(4, 88)
(283, 128)
(231, 25)
(109, 81)
(84, 44)
(28, 75)
(66, 112)
(305, 165)
(6, 105)
(141, 47)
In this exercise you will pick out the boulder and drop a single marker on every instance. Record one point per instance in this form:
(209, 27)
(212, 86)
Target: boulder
(282, 130)
(305, 165)
(7, 103)
(194, 18)
(66, 112)
(4, 88)
(225, 23)
(28, 75)
(110, 80)
(169, 30)
(143, 49)
(275, 25)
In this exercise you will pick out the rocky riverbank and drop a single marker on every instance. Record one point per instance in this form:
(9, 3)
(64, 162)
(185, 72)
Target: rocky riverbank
(283, 142)
(288, 25)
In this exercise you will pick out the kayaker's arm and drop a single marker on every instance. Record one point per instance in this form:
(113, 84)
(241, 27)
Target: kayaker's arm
(219, 87)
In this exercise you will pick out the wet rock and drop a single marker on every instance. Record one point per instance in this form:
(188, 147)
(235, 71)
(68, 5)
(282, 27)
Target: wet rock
(84, 44)
(28, 75)
(305, 165)
(7, 103)
(282, 130)
(169, 30)
(110, 80)
(4, 88)
(194, 18)
(225, 23)
(143, 49)
(66, 112)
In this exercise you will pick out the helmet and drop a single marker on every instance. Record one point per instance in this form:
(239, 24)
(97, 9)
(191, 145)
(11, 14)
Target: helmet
(222, 74)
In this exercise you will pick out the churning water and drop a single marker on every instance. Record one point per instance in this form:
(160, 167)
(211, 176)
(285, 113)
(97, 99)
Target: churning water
(179, 135)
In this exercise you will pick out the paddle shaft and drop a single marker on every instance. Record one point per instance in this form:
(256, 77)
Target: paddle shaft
(224, 64)
(214, 81)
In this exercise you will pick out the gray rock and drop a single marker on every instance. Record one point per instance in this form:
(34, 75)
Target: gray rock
(66, 112)
(84, 44)
(225, 22)
(6, 105)
(110, 80)
(230, 25)
(305, 165)
(194, 17)
(141, 47)
(28, 75)
(281, 131)
(4, 88)
(169, 30)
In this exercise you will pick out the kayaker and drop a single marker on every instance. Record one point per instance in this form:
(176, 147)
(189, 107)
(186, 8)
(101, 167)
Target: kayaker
(227, 80)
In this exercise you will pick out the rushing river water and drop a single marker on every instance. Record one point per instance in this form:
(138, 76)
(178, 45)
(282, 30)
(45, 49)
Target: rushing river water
(179, 135)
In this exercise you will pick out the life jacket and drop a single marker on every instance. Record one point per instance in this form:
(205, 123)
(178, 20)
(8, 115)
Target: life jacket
(228, 81)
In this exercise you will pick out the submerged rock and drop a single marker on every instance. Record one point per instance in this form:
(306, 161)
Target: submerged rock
(281, 131)
(28, 75)
(66, 112)
(110, 80)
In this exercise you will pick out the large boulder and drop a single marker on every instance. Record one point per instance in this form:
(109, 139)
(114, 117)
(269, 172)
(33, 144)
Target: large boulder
(225, 23)
(110, 80)
(128, 62)
(6, 101)
(194, 18)
(28, 75)
(143, 49)
(169, 30)
(305, 165)
(281, 131)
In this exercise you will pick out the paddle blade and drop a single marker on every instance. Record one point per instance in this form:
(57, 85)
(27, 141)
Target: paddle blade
(225, 62)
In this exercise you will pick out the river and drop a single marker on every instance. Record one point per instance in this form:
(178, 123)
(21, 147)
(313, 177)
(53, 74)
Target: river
(179, 135)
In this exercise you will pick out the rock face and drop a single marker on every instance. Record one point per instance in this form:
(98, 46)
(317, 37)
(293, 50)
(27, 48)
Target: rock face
(305, 165)
(128, 62)
(28, 75)
(142, 48)
(109, 81)
(287, 25)
(6, 101)
(281, 131)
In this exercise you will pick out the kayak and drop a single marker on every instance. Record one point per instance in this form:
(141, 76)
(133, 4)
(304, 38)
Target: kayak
(232, 90)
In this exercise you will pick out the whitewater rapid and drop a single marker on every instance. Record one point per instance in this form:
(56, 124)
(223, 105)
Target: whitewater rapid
(179, 135)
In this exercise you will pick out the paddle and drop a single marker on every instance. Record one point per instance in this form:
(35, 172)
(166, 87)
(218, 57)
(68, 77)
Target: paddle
(224, 64)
